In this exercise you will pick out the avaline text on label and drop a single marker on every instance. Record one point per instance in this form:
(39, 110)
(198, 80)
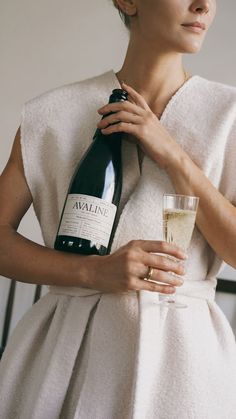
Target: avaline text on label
(89, 218)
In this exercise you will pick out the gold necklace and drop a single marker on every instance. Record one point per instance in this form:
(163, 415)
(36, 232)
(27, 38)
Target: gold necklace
(186, 76)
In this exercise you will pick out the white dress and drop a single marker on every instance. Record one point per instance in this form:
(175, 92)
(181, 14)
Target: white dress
(81, 354)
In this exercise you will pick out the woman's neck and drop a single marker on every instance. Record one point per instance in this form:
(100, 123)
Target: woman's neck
(156, 78)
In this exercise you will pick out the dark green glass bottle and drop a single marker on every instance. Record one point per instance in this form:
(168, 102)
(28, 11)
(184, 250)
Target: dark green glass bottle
(89, 212)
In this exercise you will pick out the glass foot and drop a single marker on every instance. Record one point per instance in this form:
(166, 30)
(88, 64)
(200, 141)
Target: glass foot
(170, 303)
(173, 304)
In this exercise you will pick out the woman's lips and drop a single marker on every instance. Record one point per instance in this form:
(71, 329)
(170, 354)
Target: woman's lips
(195, 29)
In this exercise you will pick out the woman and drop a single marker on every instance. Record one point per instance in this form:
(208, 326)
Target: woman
(97, 345)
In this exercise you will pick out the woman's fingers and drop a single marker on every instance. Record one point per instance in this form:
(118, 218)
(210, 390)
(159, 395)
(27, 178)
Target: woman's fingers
(140, 285)
(117, 117)
(164, 263)
(121, 106)
(166, 268)
(167, 277)
(170, 274)
(135, 96)
(155, 246)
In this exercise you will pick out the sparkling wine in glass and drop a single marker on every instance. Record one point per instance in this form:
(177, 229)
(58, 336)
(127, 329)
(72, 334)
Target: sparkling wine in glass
(179, 215)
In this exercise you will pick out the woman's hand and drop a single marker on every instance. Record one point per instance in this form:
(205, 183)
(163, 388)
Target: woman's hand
(134, 117)
(125, 269)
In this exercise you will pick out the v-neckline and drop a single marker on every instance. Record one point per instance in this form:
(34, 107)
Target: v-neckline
(173, 98)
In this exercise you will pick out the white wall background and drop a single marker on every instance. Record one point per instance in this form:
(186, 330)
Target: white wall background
(53, 42)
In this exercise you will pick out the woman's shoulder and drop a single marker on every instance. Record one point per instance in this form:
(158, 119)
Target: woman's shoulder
(215, 89)
(77, 90)
(213, 100)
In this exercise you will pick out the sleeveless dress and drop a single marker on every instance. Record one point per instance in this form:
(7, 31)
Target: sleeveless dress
(81, 354)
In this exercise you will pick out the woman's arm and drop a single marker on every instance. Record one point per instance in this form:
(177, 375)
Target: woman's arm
(20, 258)
(26, 261)
(216, 217)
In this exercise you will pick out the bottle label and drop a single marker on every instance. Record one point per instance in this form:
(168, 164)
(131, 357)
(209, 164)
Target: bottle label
(88, 217)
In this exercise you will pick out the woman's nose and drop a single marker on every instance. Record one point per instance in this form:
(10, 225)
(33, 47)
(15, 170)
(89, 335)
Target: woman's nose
(201, 6)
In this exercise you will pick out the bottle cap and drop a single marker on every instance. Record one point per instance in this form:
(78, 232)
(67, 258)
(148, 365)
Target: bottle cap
(118, 95)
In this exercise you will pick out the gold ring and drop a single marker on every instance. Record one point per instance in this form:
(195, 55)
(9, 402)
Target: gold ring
(149, 274)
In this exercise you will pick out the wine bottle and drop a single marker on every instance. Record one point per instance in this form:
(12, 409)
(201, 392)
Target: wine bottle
(89, 212)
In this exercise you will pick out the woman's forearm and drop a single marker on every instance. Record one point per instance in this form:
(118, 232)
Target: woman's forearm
(216, 217)
(29, 262)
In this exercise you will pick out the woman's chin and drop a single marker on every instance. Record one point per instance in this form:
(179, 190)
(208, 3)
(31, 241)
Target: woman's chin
(191, 48)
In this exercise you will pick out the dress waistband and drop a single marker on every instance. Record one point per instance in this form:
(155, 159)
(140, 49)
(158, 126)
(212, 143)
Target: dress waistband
(73, 291)
(204, 289)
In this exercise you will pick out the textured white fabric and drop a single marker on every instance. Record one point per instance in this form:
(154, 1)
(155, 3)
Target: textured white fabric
(81, 354)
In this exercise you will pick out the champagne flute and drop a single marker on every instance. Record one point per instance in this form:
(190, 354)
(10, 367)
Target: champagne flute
(179, 215)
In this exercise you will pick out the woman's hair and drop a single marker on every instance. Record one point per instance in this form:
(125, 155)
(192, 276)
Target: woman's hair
(123, 16)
